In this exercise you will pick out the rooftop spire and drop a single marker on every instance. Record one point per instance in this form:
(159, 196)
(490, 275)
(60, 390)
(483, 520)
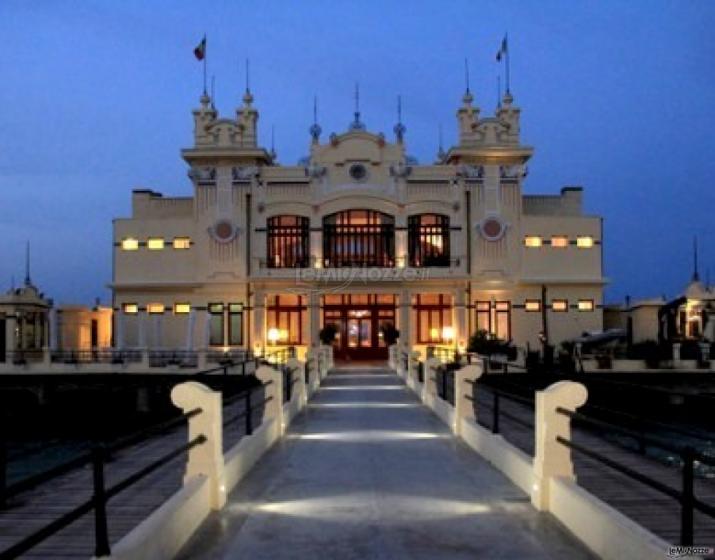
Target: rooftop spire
(213, 92)
(440, 148)
(467, 98)
(357, 124)
(248, 97)
(28, 282)
(273, 142)
(696, 275)
(315, 129)
(400, 128)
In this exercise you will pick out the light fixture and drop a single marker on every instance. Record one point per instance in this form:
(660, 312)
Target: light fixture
(273, 335)
(447, 333)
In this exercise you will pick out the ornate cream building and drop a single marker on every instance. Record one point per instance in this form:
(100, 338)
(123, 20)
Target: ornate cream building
(358, 235)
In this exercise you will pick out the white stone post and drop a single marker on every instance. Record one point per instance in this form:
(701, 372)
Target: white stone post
(429, 387)
(298, 369)
(274, 408)
(392, 357)
(676, 353)
(464, 380)
(311, 361)
(205, 459)
(553, 459)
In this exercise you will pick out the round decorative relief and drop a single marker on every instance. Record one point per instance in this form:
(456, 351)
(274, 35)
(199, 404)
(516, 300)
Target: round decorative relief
(358, 172)
(223, 231)
(492, 228)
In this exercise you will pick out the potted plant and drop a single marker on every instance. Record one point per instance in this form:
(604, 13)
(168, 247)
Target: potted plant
(390, 334)
(327, 333)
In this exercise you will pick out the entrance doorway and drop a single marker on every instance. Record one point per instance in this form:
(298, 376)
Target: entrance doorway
(359, 319)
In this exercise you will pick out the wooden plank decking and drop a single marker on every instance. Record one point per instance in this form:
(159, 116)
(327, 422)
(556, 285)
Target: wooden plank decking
(34, 509)
(648, 507)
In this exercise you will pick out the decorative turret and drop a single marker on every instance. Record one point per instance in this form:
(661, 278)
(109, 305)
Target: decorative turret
(399, 128)
(247, 118)
(357, 124)
(467, 117)
(203, 117)
(315, 129)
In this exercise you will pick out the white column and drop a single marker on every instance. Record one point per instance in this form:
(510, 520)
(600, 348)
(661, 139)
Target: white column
(259, 319)
(141, 326)
(553, 459)
(54, 330)
(405, 302)
(190, 324)
(460, 319)
(314, 312)
(206, 339)
(274, 408)
(464, 385)
(205, 459)
(120, 328)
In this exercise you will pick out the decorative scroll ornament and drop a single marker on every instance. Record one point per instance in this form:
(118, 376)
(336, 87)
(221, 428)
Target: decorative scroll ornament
(223, 231)
(244, 173)
(315, 171)
(401, 170)
(512, 171)
(471, 171)
(202, 174)
(492, 228)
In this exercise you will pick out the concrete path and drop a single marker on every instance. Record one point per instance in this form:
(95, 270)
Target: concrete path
(368, 472)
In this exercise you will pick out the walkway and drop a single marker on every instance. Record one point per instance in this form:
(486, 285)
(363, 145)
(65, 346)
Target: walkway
(368, 472)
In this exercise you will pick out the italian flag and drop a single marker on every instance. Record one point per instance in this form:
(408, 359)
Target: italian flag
(200, 50)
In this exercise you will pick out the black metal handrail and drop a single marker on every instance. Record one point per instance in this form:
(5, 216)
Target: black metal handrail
(97, 457)
(685, 496)
(249, 406)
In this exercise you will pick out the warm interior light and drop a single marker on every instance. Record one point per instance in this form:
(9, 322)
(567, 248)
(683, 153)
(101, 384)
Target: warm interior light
(181, 308)
(155, 243)
(560, 241)
(585, 305)
(559, 305)
(155, 308)
(584, 242)
(130, 308)
(182, 242)
(273, 335)
(532, 241)
(447, 333)
(434, 333)
(130, 244)
(532, 305)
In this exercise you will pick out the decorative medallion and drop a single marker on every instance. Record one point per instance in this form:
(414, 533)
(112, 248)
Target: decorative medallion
(223, 231)
(358, 172)
(492, 228)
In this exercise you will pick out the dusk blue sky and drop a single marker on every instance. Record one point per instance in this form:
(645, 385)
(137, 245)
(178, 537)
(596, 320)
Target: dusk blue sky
(96, 100)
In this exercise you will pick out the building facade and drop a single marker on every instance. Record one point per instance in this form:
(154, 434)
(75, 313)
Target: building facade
(358, 235)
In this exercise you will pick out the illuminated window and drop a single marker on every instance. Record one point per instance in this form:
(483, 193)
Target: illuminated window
(182, 242)
(130, 244)
(532, 305)
(216, 324)
(584, 242)
(428, 240)
(586, 305)
(155, 308)
(560, 305)
(284, 318)
(235, 324)
(130, 308)
(560, 241)
(155, 243)
(181, 308)
(434, 318)
(494, 318)
(288, 241)
(532, 241)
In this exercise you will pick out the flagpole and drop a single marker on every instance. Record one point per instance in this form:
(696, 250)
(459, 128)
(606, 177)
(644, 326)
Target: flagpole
(205, 56)
(506, 62)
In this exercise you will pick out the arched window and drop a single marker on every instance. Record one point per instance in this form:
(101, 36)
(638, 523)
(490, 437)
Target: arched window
(358, 238)
(288, 242)
(428, 240)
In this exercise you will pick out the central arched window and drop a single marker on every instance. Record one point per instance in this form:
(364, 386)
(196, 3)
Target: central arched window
(358, 238)
(288, 242)
(428, 240)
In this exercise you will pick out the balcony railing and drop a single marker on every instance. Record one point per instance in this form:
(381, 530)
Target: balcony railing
(358, 245)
